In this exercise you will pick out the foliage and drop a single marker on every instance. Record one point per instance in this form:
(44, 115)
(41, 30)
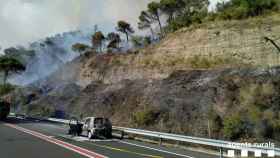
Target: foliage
(234, 127)
(137, 41)
(215, 123)
(183, 13)
(172, 7)
(140, 41)
(39, 110)
(114, 40)
(212, 61)
(6, 88)
(145, 22)
(145, 117)
(20, 53)
(239, 9)
(8, 64)
(97, 40)
(153, 13)
(79, 47)
(125, 28)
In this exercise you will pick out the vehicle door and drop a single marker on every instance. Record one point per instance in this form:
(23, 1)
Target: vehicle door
(86, 125)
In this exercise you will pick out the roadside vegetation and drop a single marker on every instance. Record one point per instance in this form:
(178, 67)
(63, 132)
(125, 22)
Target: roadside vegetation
(9, 66)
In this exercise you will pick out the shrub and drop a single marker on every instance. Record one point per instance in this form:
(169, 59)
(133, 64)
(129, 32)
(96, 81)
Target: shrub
(215, 123)
(234, 127)
(257, 95)
(205, 62)
(178, 23)
(5, 89)
(144, 118)
(240, 9)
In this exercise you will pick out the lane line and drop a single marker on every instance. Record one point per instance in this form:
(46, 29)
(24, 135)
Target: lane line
(163, 151)
(60, 143)
(126, 151)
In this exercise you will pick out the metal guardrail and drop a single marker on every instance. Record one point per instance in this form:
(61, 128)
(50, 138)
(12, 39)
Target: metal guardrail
(195, 140)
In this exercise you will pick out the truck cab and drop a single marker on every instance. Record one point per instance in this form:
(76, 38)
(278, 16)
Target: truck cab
(97, 127)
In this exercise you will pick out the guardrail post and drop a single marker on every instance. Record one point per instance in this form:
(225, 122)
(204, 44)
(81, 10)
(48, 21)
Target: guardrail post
(122, 134)
(160, 141)
(221, 153)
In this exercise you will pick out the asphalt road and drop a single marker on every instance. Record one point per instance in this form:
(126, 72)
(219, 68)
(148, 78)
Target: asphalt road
(33, 139)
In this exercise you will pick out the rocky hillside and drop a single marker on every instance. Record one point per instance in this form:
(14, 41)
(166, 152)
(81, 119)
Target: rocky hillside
(219, 80)
(191, 102)
(225, 103)
(222, 44)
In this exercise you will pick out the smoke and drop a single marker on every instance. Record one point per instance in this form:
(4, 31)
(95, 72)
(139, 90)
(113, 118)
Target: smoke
(50, 54)
(214, 3)
(24, 21)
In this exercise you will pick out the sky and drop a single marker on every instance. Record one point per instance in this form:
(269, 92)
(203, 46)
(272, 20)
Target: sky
(24, 21)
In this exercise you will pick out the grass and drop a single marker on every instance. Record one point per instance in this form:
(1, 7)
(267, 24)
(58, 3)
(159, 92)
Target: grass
(193, 62)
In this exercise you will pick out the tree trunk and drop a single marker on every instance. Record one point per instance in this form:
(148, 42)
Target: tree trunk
(209, 128)
(126, 37)
(152, 32)
(160, 26)
(5, 77)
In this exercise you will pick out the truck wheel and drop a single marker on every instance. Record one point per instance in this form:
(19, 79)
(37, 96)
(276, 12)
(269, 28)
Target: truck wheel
(89, 135)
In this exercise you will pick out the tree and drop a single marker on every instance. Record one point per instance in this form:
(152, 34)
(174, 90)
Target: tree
(137, 41)
(145, 22)
(114, 40)
(238, 9)
(125, 28)
(97, 40)
(172, 7)
(140, 41)
(79, 47)
(154, 11)
(183, 13)
(8, 64)
(20, 53)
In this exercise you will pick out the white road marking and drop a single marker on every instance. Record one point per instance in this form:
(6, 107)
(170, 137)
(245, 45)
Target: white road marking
(163, 151)
(83, 139)
(63, 144)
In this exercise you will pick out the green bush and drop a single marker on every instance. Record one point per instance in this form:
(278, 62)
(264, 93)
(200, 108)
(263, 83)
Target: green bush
(39, 110)
(240, 9)
(179, 22)
(257, 95)
(144, 118)
(234, 127)
(5, 89)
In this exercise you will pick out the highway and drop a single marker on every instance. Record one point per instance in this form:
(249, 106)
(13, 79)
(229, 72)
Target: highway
(40, 139)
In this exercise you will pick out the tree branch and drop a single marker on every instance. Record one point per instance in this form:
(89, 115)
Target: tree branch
(273, 43)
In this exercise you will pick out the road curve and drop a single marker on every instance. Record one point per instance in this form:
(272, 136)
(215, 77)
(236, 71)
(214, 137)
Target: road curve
(35, 139)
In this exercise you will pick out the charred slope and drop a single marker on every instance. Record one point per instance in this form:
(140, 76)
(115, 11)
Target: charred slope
(202, 103)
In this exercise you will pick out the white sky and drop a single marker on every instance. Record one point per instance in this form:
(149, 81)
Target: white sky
(25, 21)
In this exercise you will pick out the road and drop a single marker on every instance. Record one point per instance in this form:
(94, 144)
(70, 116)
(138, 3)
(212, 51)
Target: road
(36, 139)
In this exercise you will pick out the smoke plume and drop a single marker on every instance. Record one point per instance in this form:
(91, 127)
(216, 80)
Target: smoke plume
(25, 21)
